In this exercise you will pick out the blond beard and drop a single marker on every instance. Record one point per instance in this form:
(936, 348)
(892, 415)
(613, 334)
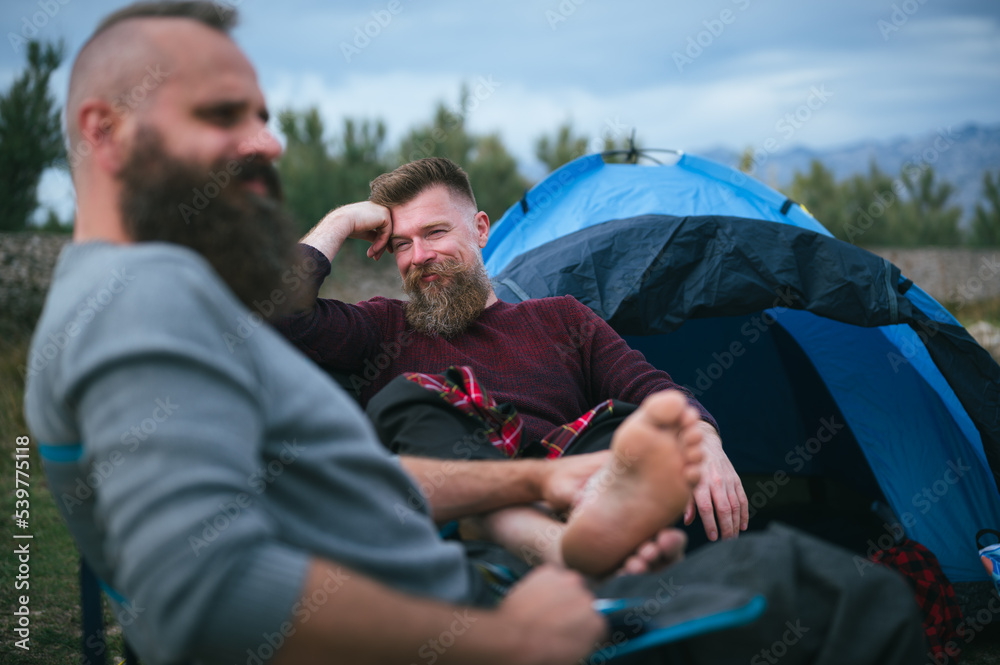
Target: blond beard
(448, 305)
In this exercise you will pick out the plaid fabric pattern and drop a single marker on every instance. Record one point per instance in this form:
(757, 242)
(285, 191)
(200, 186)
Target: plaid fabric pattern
(561, 438)
(459, 387)
(934, 593)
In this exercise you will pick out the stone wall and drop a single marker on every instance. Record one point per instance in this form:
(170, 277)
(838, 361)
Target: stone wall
(26, 263)
(952, 276)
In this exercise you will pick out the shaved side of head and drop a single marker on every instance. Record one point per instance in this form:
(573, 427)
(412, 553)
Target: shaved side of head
(122, 62)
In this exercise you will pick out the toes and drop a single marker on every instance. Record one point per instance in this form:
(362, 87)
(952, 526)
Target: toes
(664, 409)
(648, 552)
(671, 543)
(692, 476)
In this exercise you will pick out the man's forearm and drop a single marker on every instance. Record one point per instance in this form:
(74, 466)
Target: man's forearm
(327, 236)
(353, 623)
(546, 618)
(459, 488)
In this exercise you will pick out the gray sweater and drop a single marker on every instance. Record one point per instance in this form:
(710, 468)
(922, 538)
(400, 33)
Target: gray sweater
(200, 461)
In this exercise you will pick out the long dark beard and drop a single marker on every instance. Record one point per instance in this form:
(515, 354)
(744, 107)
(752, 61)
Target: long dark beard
(248, 239)
(446, 306)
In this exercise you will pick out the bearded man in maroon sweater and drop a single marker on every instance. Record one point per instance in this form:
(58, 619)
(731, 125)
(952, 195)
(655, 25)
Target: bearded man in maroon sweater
(552, 359)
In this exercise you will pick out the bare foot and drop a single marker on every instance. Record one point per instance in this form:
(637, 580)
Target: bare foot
(644, 487)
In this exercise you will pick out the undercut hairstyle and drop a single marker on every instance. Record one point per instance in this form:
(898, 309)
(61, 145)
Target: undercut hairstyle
(117, 57)
(215, 16)
(410, 180)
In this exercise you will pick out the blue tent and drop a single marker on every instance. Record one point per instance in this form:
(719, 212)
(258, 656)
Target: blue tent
(819, 359)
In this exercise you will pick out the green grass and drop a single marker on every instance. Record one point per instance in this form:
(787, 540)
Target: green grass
(54, 593)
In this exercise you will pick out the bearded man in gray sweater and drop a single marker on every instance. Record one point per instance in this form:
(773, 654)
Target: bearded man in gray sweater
(236, 503)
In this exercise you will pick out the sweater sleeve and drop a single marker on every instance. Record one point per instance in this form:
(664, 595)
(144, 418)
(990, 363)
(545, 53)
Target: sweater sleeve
(331, 333)
(173, 426)
(617, 371)
(191, 547)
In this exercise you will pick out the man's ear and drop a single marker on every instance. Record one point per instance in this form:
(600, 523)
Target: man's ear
(482, 228)
(101, 134)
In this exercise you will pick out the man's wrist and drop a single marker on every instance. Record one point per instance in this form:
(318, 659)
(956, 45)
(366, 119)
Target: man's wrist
(329, 235)
(710, 435)
(536, 476)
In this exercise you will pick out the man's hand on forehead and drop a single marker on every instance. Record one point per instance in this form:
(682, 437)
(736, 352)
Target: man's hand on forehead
(363, 220)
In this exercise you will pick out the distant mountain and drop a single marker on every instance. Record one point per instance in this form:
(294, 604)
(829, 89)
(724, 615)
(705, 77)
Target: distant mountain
(959, 155)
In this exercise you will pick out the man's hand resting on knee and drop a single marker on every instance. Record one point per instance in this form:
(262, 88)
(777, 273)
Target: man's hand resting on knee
(719, 497)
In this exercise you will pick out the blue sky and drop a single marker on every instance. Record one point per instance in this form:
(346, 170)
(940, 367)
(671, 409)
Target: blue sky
(730, 73)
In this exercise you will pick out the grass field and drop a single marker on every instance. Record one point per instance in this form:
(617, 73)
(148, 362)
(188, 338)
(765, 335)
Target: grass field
(55, 636)
(54, 592)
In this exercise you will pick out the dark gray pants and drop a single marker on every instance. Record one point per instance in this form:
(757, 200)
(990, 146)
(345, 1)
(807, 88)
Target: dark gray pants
(821, 606)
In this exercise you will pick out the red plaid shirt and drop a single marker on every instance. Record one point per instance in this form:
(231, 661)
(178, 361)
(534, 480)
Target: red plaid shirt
(933, 590)
(458, 386)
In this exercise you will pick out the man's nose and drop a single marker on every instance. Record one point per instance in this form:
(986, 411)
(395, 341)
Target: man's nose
(422, 254)
(261, 143)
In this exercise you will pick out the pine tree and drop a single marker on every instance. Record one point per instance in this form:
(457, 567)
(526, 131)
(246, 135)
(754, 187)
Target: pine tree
(986, 223)
(30, 135)
(561, 149)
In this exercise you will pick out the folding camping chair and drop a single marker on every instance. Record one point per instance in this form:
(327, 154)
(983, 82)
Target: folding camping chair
(94, 643)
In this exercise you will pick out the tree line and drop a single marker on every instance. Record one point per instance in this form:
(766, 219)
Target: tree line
(913, 209)
(321, 170)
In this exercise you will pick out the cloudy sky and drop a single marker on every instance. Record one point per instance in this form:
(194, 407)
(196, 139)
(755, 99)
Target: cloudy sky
(692, 75)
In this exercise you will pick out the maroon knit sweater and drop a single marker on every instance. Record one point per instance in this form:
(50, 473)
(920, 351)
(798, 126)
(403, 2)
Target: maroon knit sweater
(552, 358)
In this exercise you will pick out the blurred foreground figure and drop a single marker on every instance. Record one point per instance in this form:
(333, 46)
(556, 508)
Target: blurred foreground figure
(237, 504)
